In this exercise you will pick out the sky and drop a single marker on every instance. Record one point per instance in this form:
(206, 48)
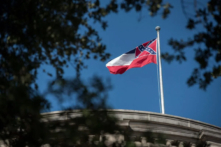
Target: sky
(137, 88)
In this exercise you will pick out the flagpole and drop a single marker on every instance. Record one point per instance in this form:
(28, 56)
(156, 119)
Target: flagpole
(160, 69)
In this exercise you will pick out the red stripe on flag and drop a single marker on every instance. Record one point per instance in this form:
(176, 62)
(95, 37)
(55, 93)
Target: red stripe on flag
(118, 69)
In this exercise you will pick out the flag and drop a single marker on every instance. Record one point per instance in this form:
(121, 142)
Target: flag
(138, 57)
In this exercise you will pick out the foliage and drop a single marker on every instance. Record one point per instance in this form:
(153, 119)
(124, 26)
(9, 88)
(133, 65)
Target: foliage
(30, 128)
(94, 120)
(60, 33)
(56, 33)
(206, 44)
(20, 116)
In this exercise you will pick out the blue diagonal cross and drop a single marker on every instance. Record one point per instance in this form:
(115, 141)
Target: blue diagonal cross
(150, 50)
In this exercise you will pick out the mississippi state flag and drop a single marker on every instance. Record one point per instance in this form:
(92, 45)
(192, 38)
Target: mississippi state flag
(138, 57)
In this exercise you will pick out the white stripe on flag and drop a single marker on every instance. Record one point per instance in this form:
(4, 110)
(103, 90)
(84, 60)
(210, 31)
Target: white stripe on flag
(124, 59)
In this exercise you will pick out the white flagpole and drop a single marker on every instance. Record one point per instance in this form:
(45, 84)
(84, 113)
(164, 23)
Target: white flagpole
(160, 69)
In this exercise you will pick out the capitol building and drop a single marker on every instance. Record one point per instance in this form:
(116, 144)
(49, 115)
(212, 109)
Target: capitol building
(174, 128)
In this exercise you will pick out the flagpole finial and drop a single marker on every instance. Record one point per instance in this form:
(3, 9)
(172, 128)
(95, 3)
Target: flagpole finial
(157, 28)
